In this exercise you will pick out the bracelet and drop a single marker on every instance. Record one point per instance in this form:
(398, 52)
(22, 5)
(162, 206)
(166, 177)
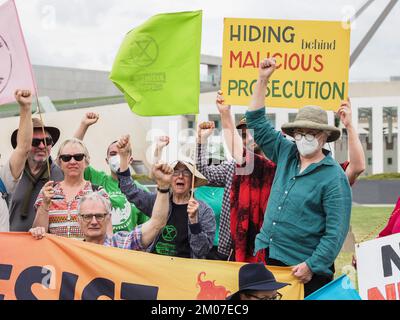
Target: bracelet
(162, 190)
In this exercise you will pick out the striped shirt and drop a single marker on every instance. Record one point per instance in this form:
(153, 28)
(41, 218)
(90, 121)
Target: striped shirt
(63, 214)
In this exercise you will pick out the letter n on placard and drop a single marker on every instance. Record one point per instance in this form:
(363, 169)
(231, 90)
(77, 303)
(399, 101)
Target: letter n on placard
(389, 256)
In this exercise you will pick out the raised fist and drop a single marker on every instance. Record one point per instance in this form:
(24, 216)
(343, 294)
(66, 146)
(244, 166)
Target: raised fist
(24, 98)
(162, 173)
(267, 68)
(90, 118)
(205, 130)
(222, 107)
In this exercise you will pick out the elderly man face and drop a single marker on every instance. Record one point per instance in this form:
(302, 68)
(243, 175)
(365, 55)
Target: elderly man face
(93, 219)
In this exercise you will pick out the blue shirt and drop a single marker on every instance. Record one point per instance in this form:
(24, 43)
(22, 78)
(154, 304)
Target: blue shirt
(308, 213)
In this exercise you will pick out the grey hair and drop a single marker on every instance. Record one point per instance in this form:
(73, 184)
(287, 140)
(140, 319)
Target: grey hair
(74, 141)
(96, 197)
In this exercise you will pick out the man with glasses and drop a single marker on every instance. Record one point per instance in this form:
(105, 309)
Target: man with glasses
(10, 172)
(256, 282)
(35, 175)
(94, 217)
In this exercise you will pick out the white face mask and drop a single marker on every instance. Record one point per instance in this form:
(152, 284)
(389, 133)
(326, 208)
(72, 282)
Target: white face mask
(114, 163)
(307, 148)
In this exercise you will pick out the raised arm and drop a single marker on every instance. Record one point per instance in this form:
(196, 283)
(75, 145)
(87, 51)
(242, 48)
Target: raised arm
(162, 173)
(356, 152)
(143, 200)
(216, 175)
(271, 141)
(89, 119)
(232, 138)
(161, 143)
(25, 132)
(267, 68)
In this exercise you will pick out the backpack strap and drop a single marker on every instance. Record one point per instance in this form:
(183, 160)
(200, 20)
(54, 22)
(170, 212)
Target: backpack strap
(3, 188)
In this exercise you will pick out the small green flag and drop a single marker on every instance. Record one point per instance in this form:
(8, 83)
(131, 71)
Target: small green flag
(158, 65)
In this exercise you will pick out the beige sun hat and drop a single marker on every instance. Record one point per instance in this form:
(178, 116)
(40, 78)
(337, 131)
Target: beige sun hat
(312, 117)
(199, 179)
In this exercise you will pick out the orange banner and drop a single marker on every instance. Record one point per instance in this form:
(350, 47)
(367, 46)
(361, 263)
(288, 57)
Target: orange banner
(57, 268)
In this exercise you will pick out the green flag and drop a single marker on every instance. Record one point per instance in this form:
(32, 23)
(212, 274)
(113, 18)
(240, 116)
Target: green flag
(158, 65)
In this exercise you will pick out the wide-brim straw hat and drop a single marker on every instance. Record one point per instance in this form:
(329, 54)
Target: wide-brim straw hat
(38, 124)
(199, 179)
(312, 117)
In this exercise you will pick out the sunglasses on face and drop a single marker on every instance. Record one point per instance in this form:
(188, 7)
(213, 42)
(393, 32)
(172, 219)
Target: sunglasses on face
(185, 173)
(89, 217)
(68, 157)
(46, 141)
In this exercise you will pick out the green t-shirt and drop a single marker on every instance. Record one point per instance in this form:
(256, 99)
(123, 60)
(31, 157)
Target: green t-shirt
(125, 216)
(213, 197)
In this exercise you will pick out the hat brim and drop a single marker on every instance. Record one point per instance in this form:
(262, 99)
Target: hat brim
(199, 179)
(262, 286)
(54, 133)
(288, 128)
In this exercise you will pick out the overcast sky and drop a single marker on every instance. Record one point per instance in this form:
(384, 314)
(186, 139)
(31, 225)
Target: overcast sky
(87, 33)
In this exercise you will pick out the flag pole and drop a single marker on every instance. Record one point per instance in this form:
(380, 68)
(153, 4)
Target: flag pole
(195, 155)
(35, 86)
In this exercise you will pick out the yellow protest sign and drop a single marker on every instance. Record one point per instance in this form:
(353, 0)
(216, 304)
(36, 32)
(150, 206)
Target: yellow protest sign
(312, 61)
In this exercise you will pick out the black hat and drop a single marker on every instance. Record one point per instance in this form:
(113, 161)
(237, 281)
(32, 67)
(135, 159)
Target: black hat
(37, 123)
(255, 276)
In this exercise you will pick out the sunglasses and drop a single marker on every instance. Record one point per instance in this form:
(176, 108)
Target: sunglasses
(89, 217)
(68, 157)
(46, 141)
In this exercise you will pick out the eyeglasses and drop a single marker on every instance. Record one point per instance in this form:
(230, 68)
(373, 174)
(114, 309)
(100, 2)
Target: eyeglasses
(278, 296)
(185, 172)
(309, 136)
(89, 217)
(68, 157)
(46, 141)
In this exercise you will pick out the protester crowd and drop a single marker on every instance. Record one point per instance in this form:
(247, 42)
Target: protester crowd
(282, 200)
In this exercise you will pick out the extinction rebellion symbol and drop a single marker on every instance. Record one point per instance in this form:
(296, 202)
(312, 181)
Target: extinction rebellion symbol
(144, 51)
(5, 64)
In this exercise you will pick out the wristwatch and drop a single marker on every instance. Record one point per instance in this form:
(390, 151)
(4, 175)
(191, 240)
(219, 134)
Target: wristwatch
(162, 190)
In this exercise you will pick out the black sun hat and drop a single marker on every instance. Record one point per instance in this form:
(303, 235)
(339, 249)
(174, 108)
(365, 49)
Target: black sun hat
(37, 123)
(255, 276)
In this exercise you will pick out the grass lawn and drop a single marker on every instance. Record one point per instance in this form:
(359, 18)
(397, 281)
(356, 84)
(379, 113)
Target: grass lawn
(364, 220)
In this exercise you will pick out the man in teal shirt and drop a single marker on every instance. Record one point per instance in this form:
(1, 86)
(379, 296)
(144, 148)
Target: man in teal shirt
(308, 214)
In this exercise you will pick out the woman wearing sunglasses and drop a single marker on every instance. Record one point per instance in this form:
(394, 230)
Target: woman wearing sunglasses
(57, 204)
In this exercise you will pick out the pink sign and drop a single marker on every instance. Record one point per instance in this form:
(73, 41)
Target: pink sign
(15, 67)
